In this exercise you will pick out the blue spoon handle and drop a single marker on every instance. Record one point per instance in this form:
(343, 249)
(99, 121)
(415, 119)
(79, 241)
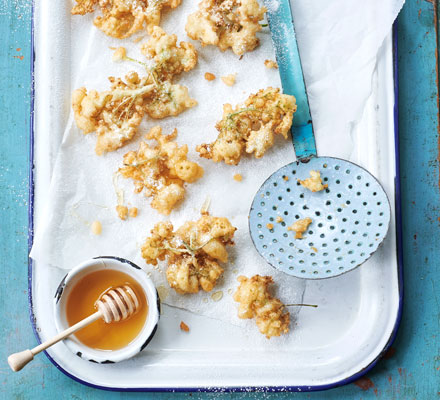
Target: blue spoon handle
(289, 64)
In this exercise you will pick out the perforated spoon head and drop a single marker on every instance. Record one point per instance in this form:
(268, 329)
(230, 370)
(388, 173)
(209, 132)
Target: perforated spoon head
(350, 218)
(118, 304)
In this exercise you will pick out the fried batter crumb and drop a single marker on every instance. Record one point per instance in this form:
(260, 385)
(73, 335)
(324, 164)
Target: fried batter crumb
(133, 212)
(279, 219)
(161, 171)
(229, 79)
(138, 39)
(286, 178)
(314, 183)
(314, 249)
(115, 114)
(251, 126)
(227, 24)
(256, 302)
(217, 296)
(299, 227)
(122, 18)
(238, 177)
(269, 226)
(193, 252)
(96, 227)
(119, 54)
(270, 64)
(209, 76)
(122, 212)
(184, 327)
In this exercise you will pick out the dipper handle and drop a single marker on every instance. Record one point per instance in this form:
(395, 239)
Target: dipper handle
(18, 360)
(114, 305)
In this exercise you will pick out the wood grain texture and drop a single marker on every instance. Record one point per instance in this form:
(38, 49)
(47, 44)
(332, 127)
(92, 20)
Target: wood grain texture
(411, 370)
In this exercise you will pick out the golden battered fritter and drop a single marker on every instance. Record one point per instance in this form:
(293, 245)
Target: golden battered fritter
(256, 302)
(169, 58)
(251, 126)
(116, 114)
(227, 24)
(161, 171)
(193, 252)
(113, 114)
(122, 18)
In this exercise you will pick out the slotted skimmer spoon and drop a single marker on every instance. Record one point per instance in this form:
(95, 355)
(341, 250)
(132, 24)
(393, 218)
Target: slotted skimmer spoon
(350, 218)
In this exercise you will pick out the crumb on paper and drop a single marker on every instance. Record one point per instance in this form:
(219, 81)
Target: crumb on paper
(193, 252)
(279, 219)
(122, 212)
(299, 227)
(96, 227)
(255, 301)
(119, 54)
(133, 212)
(138, 39)
(269, 226)
(217, 296)
(286, 178)
(238, 177)
(270, 64)
(229, 79)
(314, 249)
(251, 126)
(314, 183)
(184, 327)
(227, 24)
(209, 76)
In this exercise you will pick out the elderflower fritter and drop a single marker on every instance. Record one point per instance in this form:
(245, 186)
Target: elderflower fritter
(193, 252)
(122, 18)
(300, 227)
(227, 24)
(314, 183)
(161, 171)
(116, 114)
(256, 302)
(113, 114)
(251, 126)
(169, 58)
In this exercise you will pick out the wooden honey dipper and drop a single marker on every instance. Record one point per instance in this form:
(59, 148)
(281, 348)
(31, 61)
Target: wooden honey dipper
(114, 305)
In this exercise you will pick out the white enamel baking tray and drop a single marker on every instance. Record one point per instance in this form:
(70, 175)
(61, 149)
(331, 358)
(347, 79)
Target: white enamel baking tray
(358, 312)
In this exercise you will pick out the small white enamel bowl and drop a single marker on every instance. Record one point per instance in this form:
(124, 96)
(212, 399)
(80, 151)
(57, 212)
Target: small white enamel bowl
(109, 263)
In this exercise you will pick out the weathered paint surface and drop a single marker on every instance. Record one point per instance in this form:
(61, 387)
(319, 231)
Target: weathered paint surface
(410, 370)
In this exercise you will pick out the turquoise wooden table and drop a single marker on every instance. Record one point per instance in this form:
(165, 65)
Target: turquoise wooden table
(410, 370)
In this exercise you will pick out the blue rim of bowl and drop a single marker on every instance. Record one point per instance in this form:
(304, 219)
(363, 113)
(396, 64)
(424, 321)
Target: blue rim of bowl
(342, 382)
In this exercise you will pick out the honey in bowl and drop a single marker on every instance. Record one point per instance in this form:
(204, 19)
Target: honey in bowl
(81, 303)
